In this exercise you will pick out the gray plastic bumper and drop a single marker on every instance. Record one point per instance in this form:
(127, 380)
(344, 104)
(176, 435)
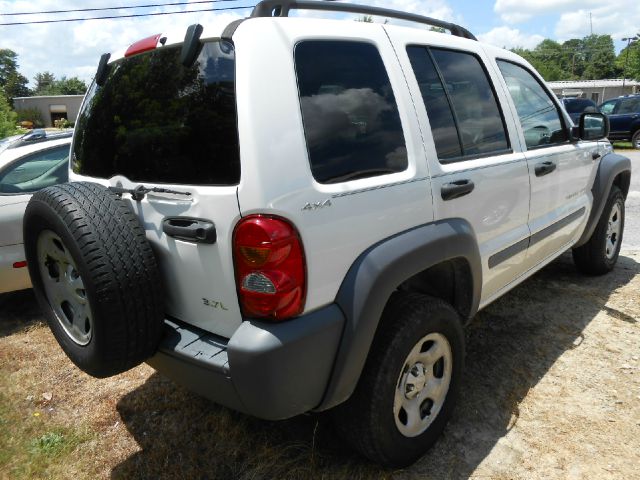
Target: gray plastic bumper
(270, 370)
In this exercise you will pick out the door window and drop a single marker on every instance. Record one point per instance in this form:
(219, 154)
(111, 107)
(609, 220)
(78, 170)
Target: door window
(465, 119)
(36, 171)
(608, 107)
(351, 120)
(539, 115)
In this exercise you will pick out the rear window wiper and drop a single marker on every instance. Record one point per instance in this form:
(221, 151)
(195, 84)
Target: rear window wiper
(140, 191)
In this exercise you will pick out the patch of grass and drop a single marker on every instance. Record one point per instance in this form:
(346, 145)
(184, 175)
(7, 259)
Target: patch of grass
(31, 444)
(623, 145)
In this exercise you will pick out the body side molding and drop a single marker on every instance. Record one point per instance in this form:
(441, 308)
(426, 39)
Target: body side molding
(373, 277)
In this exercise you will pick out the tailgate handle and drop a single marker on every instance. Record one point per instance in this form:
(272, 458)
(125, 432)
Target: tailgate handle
(190, 229)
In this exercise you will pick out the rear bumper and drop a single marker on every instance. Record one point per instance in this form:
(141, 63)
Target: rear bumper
(269, 370)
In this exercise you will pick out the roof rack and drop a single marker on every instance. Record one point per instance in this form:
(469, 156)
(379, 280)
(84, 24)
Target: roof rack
(281, 8)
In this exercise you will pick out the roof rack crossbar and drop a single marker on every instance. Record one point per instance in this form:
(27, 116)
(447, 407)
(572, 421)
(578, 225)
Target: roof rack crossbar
(281, 8)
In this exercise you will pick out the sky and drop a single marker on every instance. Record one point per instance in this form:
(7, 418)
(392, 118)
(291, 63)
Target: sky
(73, 49)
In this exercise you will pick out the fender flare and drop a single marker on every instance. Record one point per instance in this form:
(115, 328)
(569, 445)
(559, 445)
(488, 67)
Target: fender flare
(609, 168)
(373, 277)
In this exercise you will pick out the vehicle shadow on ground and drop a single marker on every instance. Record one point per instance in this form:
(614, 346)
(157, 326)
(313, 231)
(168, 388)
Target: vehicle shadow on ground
(510, 346)
(18, 310)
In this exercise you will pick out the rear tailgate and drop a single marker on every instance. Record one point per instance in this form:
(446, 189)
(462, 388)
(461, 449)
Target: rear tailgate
(158, 123)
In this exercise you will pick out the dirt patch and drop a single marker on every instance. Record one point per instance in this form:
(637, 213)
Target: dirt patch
(552, 390)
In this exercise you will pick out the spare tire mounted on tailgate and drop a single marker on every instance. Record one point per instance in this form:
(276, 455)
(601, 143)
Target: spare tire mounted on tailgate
(95, 276)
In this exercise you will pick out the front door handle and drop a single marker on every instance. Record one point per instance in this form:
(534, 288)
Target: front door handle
(188, 229)
(544, 168)
(456, 189)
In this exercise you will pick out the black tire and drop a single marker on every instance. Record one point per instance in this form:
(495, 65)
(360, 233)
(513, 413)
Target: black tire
(106, 248)
(635, 140)
(367, 420)
(593, 258)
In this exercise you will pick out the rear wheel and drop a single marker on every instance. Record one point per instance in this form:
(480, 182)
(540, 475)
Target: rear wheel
(95, 276)
(635, 140)
(408, 388)
(600, 254)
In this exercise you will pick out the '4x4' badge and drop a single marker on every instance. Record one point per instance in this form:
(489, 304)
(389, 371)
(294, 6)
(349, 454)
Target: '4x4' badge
(316, 205)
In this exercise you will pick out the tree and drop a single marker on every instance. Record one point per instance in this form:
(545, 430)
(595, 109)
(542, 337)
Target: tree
(44, 83)
(47, 84)
(600, 57)
(71, 86)
(628, 62)
(7, 118)
(12, 83)
(590, 58)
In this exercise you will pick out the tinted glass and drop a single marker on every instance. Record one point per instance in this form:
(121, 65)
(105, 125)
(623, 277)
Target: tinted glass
(443, 127)
(477, 114)
(629, 105)
(608, 107)
(155, 120)
(539, 115)
(36, 171)
(351, 120)
(578, 105)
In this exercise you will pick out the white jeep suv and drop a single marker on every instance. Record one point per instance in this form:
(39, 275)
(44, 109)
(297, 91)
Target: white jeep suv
(302, 214)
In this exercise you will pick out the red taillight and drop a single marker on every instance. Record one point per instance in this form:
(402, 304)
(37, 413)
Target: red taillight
(143, 45)
(21, 264)
(270, 268)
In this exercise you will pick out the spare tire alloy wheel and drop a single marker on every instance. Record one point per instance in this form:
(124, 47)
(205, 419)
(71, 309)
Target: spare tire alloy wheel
(64, 288)
(423, 385)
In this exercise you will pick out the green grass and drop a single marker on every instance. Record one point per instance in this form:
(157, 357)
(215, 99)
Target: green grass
(622, 145)
(31, 443)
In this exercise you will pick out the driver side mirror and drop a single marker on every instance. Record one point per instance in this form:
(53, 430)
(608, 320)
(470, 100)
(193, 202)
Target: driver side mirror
(592, 126)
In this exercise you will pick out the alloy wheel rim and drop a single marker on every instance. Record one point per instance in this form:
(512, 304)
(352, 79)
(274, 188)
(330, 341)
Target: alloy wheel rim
(64, 288)
(614, 228)
(423, 385)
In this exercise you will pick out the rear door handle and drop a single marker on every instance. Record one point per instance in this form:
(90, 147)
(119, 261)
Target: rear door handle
(456, 189)
(544, 168)
(194, 230)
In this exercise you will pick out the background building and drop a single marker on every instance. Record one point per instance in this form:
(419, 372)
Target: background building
(51, 108)
(596, 90)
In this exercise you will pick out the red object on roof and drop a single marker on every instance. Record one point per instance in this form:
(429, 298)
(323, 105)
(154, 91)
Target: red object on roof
(143, 45)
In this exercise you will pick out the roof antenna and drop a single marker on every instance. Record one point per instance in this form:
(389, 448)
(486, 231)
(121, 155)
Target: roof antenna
(191, 46)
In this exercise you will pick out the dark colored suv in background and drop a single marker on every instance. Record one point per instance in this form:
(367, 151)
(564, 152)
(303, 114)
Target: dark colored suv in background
(624, 117)
(577, 106)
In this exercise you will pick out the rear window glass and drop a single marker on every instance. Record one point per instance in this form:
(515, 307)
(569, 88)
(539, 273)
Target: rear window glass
(578, 105)
(155, 120)
(351, 120)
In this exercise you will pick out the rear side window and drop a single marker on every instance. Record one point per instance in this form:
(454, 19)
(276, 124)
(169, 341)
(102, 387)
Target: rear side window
(155, 120)
(461, 104)
(351, 120)
(629, 105)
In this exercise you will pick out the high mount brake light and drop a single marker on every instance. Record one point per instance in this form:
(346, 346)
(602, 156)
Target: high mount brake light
(270, 268)
(144, 45)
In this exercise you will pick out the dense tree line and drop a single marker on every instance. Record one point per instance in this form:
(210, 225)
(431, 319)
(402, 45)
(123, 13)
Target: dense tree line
(590, 58)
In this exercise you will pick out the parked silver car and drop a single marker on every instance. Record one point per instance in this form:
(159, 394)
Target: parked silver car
(27, 164)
